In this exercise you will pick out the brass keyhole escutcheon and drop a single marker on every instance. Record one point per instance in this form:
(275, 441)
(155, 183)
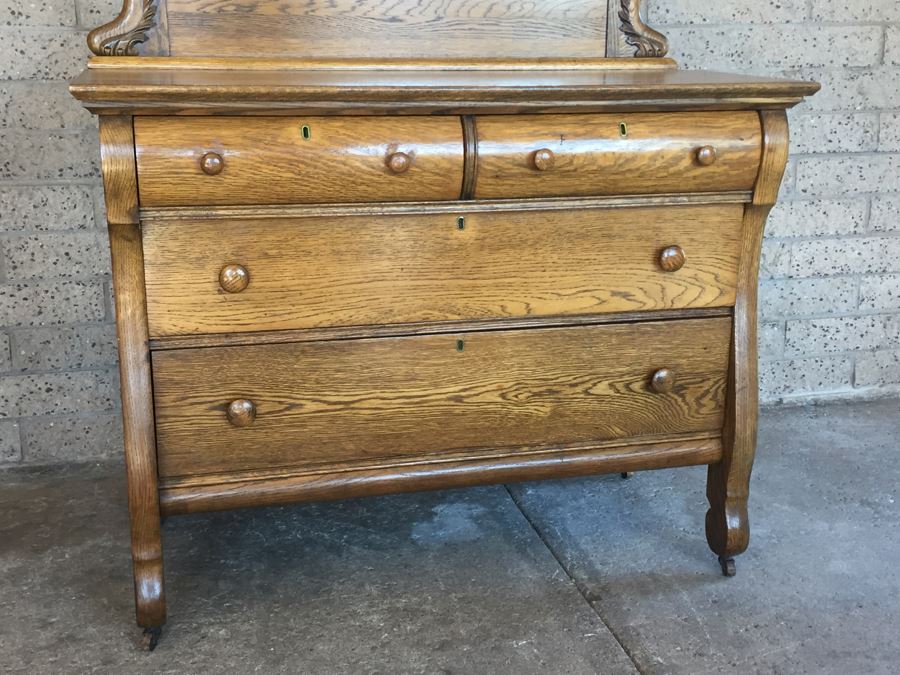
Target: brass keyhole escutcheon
(461, 223)
(305, 132)
(623, 129)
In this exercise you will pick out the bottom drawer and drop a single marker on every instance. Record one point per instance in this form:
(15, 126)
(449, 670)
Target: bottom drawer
(257, 407)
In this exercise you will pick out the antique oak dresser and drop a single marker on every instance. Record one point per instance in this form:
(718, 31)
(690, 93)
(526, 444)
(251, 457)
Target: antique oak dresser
(363, 247)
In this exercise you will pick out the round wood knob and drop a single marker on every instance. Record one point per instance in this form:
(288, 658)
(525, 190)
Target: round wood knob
(241, 412)
(706, 155)
(663, 381)
(234, 278)
(543, 159)
(672, 259)
(399, 162)
(212, 163)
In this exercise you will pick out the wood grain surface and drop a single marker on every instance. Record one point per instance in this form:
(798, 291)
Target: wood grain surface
(728, 482)
(412, 396)
(205, 91)
(352, 271)
(117, 165)
(215, 492)
(630, 153)
(267, 160)
(381, 29)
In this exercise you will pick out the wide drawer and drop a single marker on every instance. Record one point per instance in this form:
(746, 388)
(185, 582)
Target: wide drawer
(255, 407)
(279, 160)
(628, 153)
(213, 276)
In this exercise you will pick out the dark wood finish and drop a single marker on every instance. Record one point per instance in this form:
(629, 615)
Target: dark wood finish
(614, 154)
(241, 412)
(267, 160)
(207, 493)
(212, 163)
(728, 482)
(306, 273)
(326, 402)
(707, 155)
(234, 278)
(672, 258)
(663, 381)
(117, 164)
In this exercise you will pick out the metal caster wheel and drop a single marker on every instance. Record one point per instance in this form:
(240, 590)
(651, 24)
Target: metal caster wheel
(728, 567)
(627, 474)
(150, 638)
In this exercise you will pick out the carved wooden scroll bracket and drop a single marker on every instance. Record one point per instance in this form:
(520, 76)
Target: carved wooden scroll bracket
(121, 36)
(647, 42)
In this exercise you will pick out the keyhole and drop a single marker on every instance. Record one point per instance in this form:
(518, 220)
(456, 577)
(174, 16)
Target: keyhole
(623, 129)
(305, 132)
(460, 345)
(461, 223)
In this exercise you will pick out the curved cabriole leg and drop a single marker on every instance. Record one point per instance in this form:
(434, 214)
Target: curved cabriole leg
(728, 482)
(126, 253)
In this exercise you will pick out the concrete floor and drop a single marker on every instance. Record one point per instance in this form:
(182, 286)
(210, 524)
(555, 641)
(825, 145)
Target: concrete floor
(594, 575)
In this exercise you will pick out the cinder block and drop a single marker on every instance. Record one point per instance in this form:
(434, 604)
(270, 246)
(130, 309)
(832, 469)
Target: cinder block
(848, 175)
(71, 438)
(758, 47)
(842, 334)
(862, 89)
(49, 155)
(64, 348)
(92, 13)
(775, 259)
(885, 216)
(880, 293)
(41, 105)
(771, 340)
(10, 442)
(58, 393)
(834, 132)
(864, 255)
(878, 369)
(889, 140)
(46, 208)
(892, 44)
(41, 53)
(56, 254)
(817, 218)
(664, 12)
(5, 355)
(807, 297)
(49, 303)
(37, 13)
(855, 10)
(795, 377)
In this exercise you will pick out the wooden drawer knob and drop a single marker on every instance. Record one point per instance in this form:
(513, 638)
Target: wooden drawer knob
(241, 412)
(706, 155)
(543, 159)
(672, 259)
(663, 381)
(234, 278)
(212, 163)
(399, 162)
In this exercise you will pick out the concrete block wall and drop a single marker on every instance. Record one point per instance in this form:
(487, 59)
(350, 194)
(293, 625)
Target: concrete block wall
(830, 276)
(831, 287)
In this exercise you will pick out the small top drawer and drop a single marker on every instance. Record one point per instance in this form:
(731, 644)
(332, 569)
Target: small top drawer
(628, 153)
(281, 160)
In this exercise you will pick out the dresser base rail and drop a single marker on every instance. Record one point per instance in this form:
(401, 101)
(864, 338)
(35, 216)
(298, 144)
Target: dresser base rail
(435, 475)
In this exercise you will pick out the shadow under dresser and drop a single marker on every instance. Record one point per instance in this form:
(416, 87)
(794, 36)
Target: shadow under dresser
(363, 248)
